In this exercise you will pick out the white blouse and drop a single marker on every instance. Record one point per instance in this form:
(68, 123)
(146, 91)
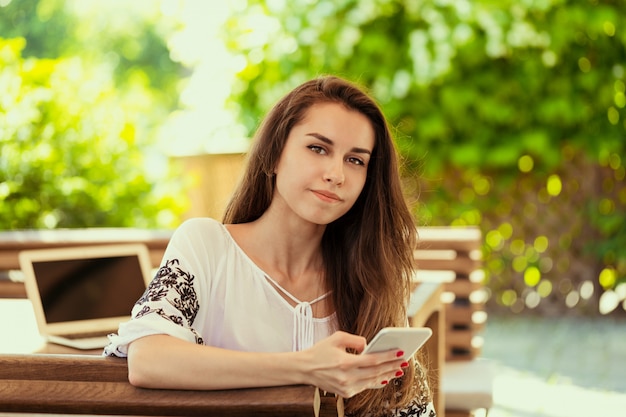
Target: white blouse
(208, 291)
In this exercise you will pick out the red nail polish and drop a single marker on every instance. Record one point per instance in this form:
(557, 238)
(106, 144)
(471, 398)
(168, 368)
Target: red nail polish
(400, 353)
(404, 365)
(399, 373)
(385, 382)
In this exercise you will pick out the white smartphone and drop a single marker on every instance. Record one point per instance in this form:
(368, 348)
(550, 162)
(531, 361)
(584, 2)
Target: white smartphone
(406, 339)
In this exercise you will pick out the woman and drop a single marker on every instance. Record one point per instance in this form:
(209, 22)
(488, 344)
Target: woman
(313, 258)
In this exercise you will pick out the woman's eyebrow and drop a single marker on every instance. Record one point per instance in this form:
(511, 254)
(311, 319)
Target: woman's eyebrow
(331, 143)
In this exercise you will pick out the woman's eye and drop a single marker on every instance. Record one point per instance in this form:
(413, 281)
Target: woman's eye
(317, 149)
(356, 161)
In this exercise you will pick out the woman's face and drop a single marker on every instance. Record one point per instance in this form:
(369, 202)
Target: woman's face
(323, 166)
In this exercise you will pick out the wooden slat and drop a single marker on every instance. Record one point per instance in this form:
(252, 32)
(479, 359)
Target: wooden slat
(9, 258)
(80, 384)
(463, 303)
(462, 265)
(461, 354)
(459, 315)
(12, 242)
(63, 368)
(459, 413)
(461, 351)
(11, 289)
(122, 398)
(465, 316)
(456, 238)
(462, 288)
(459, 338)
(29, 239)
(473, 327)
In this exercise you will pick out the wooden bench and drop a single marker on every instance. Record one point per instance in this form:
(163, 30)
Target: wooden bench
(452, 255)
(83, 384)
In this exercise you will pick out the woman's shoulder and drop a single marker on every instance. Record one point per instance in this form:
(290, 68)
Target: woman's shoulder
(199, 229)
(202, 223)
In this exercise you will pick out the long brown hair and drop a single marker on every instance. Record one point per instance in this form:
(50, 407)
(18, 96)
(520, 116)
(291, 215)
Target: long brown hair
(368, 252)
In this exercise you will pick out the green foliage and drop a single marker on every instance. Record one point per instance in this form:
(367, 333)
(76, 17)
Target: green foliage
(78, 116)
(508, 115)
(456, 77)
(488, 99)
(129, 41)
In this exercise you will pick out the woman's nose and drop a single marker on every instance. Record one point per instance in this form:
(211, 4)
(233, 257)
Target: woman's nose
(334, 173)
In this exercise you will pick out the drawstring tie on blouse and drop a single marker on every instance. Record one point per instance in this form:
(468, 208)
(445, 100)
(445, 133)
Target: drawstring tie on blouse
(303, 335)
(303, 323)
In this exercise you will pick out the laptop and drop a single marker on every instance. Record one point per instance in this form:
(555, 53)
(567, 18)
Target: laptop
(81, 294)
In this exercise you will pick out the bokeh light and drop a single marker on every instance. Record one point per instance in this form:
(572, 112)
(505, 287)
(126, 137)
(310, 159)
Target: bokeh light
(532, 276)
(554, 185)
(525, 163)
(607, 278)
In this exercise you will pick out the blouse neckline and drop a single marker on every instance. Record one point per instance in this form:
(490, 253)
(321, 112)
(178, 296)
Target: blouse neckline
(277, 287)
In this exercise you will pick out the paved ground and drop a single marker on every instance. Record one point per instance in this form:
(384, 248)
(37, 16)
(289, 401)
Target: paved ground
(557, 367)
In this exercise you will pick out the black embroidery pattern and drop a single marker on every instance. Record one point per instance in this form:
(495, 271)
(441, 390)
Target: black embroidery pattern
(421, 405)
(416, 409)
(176, 287)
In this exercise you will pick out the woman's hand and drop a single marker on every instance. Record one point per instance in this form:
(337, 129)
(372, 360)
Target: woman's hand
(332, 369)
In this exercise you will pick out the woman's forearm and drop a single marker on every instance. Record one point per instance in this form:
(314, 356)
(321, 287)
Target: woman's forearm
(162, 361)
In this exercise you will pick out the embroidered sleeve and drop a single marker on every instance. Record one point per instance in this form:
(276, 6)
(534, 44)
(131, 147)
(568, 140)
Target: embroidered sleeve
(422, 405)
(174, 301)
(417, 409)
(169, 305)
(171, 287)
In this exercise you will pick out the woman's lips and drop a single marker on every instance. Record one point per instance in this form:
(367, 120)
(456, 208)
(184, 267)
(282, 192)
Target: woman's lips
(326, 196)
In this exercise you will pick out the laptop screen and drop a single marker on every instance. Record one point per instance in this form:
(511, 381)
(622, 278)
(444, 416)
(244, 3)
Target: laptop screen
(89, 288)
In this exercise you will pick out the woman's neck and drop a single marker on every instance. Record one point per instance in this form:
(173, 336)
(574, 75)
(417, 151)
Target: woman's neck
(289, 253)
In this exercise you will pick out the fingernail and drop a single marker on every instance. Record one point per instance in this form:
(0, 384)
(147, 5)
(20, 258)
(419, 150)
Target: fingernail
(399, 373)
(385, 382)
(404, 365)
(400, 353)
